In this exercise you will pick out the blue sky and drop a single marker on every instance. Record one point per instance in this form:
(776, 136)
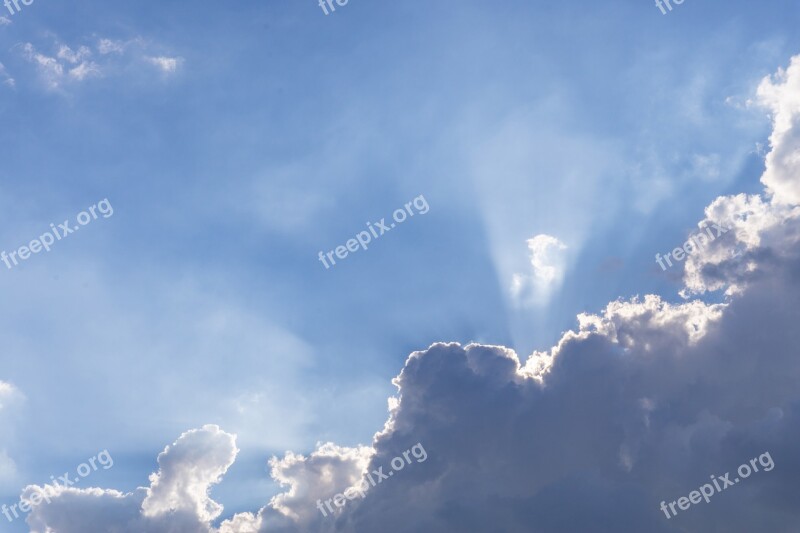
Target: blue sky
(235, 141)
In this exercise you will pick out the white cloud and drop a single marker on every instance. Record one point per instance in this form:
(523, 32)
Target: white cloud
(187, 469)
(84, 70)
(71, 56)
(177, 499)
(53, 69)
(757, 223)
(110, 46)
(546, 258)
(7, 391)
(167, 65)
(49, 68)
(548, 264)
(5, 21)
(78, 63)
(7, 79)
(781, 95)
(9, 395)
(325, 471)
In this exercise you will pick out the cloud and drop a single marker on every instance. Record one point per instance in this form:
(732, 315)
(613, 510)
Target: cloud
(640, 404)
(188, 468)
(53, 69)
(74, 64)
(5, 21)
(177, 499)
(167, 65)
(7, 79)
(9, 396)
(110, 46)
(49, 68)
(548, 263)
(84, 70)
(330, 469)
(759, 225)
(7, 391)
(781, 95)
(71, 56)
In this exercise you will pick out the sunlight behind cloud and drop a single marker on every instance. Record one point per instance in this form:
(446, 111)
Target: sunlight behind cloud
(548, 263)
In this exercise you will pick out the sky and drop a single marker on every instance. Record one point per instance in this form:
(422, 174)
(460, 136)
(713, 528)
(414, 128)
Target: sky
(209, 162)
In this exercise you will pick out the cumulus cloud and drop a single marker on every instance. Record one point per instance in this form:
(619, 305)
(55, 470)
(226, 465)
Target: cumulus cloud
(176, 500)
(329, 470)
(781, 95)
(640, 404)
(187, 469)
(548, 263)
(761, 225)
